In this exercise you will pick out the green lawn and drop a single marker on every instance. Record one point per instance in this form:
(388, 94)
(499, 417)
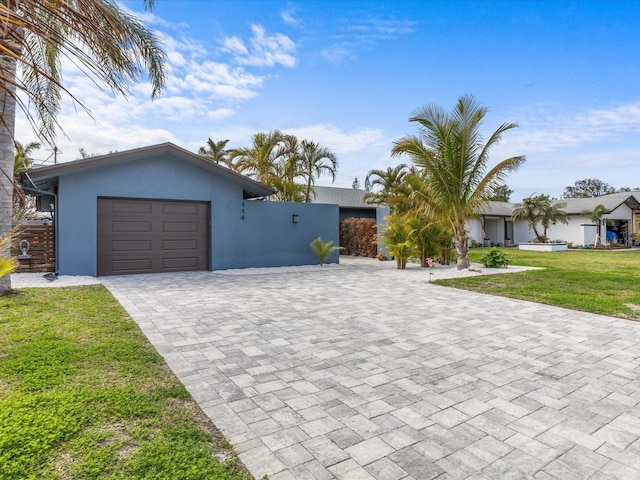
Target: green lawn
(83, 395)
(597, 281)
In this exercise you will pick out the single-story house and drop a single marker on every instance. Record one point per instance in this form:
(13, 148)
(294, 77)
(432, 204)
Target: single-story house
(162, 209)
(618, 225)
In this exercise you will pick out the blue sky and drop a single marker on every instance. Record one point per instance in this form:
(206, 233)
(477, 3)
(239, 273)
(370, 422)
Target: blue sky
(349, 74)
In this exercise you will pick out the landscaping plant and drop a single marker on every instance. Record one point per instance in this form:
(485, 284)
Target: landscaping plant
(396, 237)
(494, 258)
(322, 250)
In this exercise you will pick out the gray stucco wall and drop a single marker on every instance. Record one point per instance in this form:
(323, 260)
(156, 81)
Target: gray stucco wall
(266, 236)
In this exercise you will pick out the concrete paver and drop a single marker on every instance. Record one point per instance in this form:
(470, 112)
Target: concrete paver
(361, 371)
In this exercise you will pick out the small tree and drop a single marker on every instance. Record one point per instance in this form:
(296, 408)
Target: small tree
(595, 216)
(322, 250)
(397, 238)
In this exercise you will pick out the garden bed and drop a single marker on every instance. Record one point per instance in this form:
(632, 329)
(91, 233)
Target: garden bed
(543, 247)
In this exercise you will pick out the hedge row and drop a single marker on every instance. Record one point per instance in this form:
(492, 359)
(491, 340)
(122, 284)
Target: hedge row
(358, 236)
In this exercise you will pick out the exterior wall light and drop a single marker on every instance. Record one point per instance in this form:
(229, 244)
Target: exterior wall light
(295, 217)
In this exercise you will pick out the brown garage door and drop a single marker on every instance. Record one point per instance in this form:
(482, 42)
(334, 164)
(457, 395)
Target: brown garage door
(150, 236)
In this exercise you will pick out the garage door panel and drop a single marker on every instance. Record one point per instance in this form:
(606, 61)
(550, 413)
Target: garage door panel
(181, 209)
(140, 265)
(180, 263)
(131, 207)
(179, 227)
(131, 245)
(144, 236)
(188, 244)
(129, 226)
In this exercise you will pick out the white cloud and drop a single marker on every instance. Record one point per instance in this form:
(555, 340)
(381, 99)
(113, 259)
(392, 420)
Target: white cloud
(339, 141)
(363, 33)
(235, 45)
(552, 131)
(264, 50)
(288, 16)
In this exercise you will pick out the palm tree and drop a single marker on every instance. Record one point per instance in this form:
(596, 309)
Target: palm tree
(260, 159)
(109, 45)
(529, 209)
(314, 161)
(215, 151)
(595, 216)
(22, 160)
(454, 161)
(389, 181)
(551, 213)
(540, 209)
(285, 171)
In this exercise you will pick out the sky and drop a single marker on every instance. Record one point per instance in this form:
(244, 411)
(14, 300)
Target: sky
(349, 74)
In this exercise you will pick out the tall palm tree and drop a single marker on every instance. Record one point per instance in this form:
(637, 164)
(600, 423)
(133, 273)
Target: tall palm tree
(451, 152)
(215, 151)
(314, 161)
(109, 45)
(389, 182)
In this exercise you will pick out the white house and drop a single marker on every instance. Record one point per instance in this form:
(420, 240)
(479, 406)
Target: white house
(619, 224)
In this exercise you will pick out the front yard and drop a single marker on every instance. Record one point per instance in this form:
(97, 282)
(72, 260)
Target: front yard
(606, 282)
(84, 395)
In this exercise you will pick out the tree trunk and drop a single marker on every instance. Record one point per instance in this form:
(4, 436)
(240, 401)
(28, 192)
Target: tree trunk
(7, 127)
(535, 231)
(461, 242)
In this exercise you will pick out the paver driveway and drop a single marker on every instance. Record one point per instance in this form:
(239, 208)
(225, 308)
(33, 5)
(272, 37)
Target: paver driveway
(356, 372)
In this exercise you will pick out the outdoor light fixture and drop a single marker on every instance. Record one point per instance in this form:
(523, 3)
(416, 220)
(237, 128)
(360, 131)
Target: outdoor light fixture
(295, 218)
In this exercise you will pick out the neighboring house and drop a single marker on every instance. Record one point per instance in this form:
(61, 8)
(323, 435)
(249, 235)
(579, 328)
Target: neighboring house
(350, 201)
(162, 209)
(621, 221)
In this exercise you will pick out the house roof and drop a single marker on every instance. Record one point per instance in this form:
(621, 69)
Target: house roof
(498, 209)
(344, 197)
(573, 206)
(610, 202)
(40, 175)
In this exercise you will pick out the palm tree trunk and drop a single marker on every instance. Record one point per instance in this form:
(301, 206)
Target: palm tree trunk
(7, 127)
(535, 231)
(461, 242)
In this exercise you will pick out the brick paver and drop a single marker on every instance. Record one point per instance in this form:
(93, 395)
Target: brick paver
(359, 372)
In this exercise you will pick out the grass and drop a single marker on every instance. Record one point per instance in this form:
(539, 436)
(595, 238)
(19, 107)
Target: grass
(83, 395)
(596, 281)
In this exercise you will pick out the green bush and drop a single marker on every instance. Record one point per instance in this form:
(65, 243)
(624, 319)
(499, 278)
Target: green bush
(494, 258)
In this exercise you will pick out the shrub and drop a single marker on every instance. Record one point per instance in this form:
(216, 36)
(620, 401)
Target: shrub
(358, 237)
(494, 258)
(397, 240)
(322, 250)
